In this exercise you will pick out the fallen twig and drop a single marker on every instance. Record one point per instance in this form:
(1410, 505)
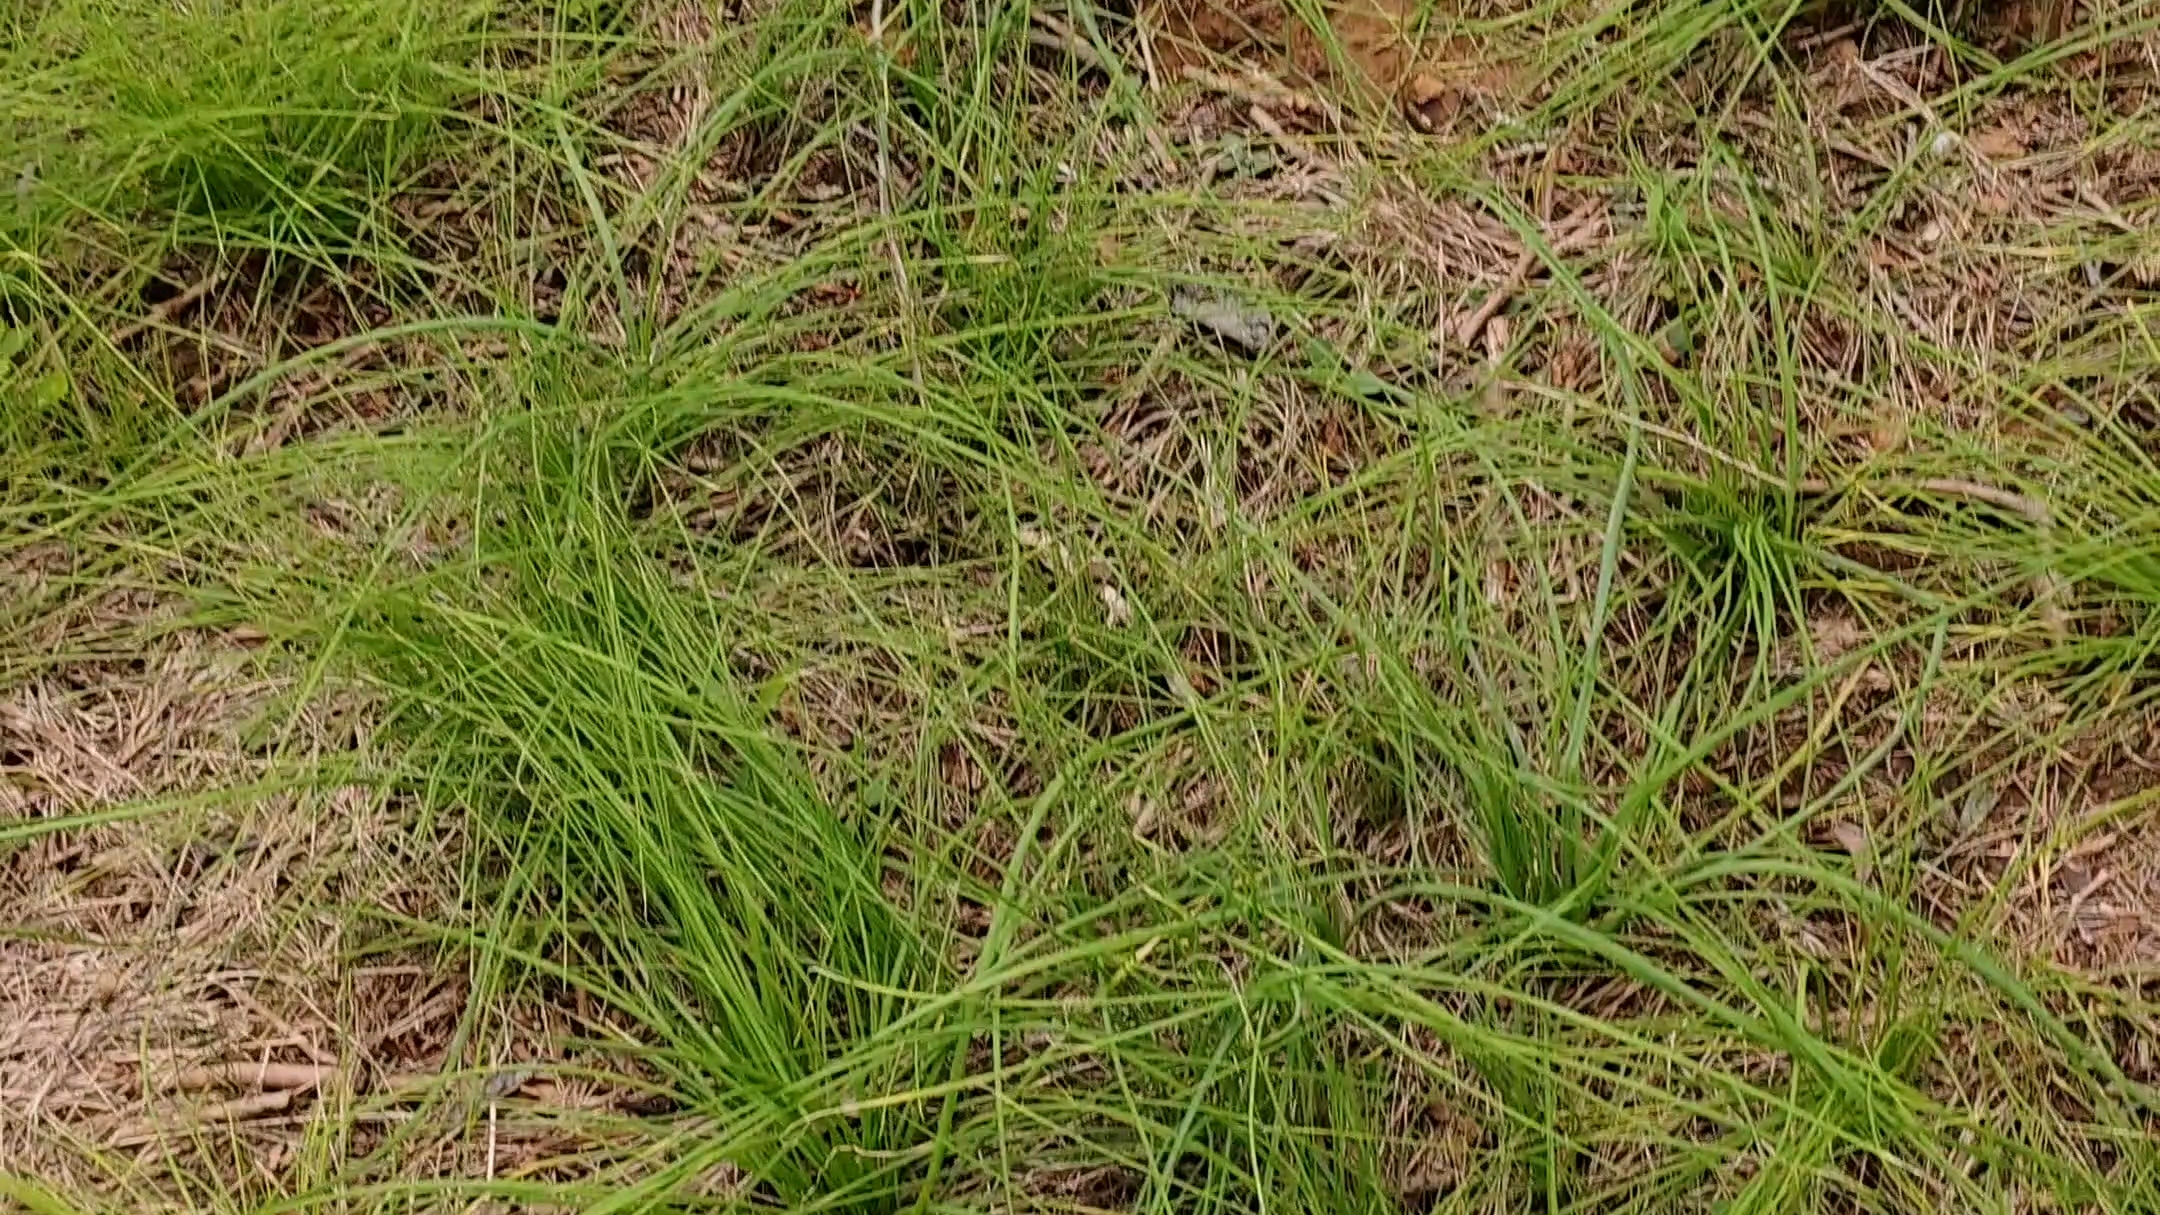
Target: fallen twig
(277, 1077)
(164, 310)
(238, 1109)
(1054, 35)
(2048, 586)
(1565, 238)
(1291, 143)
(1957, 487)
(1262, 90)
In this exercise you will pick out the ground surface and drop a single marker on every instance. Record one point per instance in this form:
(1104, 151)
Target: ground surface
(642, 607)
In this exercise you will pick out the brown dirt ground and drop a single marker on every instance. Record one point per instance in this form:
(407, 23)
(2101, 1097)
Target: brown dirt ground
(1399, 50)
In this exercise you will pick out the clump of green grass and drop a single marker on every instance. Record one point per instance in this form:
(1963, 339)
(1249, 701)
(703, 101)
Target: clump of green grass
(31, 388)
(263, 119)
(241, 129)
(979, 752)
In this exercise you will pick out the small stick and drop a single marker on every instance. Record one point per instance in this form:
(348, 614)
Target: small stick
(1291, 143)
(1958, 487)
(1565, 238)
(238, 993)
(1055, 35)
(1147, 59)
(275, 1077)
(1826, 37)
(2047, 584)
(239, 1109)
(1260, 89)
(2105, 210)
(163, 311)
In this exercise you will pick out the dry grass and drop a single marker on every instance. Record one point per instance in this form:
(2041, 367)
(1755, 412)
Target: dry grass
(208, 927)
(219, 988)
